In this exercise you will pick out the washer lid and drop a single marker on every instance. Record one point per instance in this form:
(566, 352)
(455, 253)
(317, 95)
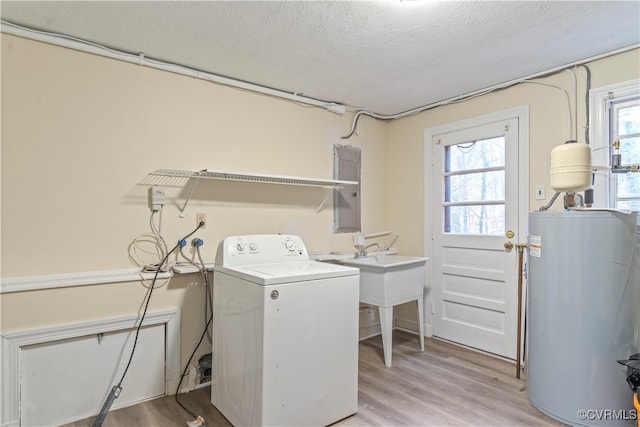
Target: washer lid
(288, 272)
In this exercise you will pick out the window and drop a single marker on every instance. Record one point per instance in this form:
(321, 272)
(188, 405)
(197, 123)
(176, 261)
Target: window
(474, 187)
(615, 116)
(625, 133)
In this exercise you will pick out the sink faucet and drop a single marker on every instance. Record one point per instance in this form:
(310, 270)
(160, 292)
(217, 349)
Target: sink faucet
(363, 252)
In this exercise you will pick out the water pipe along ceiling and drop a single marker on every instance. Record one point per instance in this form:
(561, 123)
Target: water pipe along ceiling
(385, 56)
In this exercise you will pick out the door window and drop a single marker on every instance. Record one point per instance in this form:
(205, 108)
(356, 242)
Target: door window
(474, 187)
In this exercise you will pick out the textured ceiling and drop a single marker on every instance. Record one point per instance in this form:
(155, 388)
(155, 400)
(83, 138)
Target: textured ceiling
(387, 56)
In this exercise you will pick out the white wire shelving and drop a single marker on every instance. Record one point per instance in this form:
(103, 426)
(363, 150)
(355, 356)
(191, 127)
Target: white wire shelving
(252, 177)
(171, 175)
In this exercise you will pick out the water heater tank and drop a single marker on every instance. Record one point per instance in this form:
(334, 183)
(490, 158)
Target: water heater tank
(582, 315)
(571, 167)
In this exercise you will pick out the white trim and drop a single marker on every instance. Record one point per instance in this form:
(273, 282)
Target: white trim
(599, 132)
(523, 172)
(13, 342)
(65, 280)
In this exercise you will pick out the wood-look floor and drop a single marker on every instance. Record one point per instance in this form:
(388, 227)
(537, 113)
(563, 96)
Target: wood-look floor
(444, 386)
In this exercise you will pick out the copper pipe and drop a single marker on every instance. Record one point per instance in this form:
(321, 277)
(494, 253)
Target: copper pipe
(520, 247)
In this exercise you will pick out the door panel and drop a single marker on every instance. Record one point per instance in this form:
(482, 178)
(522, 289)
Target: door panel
(475, 203)
(470, 288)
(468, 315)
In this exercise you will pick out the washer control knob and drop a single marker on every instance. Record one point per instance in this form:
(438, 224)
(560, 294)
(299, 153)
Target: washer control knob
(253, 247)
(240, 246)
(290, 245)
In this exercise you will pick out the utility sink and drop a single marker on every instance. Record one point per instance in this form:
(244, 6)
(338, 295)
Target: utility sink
(384, 262)
(388, 280)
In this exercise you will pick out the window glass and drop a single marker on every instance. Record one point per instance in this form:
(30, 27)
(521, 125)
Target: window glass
(478, 187)
(628, 185)
(625, 187)
(630, 149)
(474, 219)
(615, 114)
(483, 154)
(629, 120)
(630, 205)
(474, 187)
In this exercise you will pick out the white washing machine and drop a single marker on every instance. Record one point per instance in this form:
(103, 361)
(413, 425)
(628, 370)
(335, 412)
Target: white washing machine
(285, 334)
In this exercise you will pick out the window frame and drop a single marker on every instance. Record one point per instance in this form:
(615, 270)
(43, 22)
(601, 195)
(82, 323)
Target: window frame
(601, 132)
(449, 204)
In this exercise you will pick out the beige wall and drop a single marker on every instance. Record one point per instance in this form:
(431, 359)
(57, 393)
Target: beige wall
(548, 127)
(80, 132)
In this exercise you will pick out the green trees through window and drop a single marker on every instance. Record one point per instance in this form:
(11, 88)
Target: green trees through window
(474, 187)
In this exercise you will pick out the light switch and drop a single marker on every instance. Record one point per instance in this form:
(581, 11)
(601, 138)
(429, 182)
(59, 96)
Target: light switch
(540, 192)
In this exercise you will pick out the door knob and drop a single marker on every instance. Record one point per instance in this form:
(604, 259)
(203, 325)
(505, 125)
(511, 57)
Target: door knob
(508, 246)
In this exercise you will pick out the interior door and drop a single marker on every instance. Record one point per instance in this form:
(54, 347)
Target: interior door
(475, 210)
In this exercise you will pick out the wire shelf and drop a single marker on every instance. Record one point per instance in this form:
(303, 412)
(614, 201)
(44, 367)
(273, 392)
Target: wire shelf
(252, 177)
(181, 177)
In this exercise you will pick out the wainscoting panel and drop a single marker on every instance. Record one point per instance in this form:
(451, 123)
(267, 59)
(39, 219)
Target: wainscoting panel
(57, 375)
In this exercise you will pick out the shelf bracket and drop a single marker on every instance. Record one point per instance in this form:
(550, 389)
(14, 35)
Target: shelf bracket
(186, 202)
(329, 193)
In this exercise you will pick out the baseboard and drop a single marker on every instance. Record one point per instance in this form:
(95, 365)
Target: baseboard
(411, 326)
(203, 385)
(368, 332)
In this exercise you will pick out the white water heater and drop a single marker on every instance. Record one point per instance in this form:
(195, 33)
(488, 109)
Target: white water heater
(582, 315)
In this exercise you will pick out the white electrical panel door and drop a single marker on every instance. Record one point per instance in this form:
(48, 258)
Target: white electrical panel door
(68, 380)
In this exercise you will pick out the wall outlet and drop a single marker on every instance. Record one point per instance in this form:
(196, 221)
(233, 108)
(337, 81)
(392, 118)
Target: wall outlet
(201, 217)
(540, 192)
